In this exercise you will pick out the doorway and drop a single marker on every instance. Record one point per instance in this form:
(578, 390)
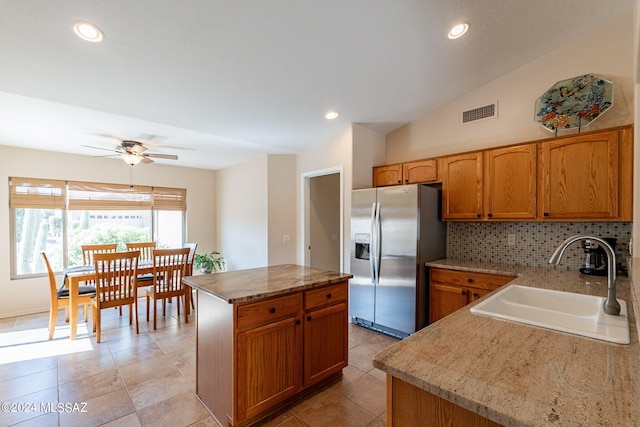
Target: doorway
(323, 226)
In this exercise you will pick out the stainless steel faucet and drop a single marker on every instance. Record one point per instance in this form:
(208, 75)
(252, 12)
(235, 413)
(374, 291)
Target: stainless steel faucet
(611, 305)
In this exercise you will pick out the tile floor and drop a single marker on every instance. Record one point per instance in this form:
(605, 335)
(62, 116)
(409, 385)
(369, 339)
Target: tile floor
(149, 379)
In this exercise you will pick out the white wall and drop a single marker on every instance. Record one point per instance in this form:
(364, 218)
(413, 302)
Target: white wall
(606, 52)
(282, 209)
(241, 201)
(368, 151)
(335, 153)
(32, 295)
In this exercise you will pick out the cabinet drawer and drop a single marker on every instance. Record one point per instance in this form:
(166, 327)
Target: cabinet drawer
(325, 295)
(469, 279)
(263, 312)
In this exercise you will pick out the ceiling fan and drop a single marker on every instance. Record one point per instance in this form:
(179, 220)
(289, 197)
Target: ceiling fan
(133, 152)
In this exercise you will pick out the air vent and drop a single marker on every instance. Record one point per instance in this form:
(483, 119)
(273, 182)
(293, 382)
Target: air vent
(481, 113)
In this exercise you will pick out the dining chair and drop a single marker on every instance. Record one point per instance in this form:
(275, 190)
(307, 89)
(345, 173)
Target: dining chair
(169, 266)
(189, 270)
(146, 255)
(116, 277)
(89, 250)
(60, 298)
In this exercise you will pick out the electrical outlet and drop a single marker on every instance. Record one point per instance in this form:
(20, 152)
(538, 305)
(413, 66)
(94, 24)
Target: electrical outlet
(511, 239)
(286, 238)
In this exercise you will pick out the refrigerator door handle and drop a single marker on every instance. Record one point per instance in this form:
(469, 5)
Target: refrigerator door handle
(372, 249)
(378, 246)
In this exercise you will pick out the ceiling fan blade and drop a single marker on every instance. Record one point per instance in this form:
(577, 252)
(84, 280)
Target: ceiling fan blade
(161, 156)
(99, 148)
(145, 159)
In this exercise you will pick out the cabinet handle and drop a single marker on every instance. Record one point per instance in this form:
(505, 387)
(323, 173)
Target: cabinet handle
(470, 280)
(475, 295)
(546, 214)
(399, 182)
(479, 215)
(297, 321)
(490, 215)
(272, 310)
(328, 295)
(308, 318)
(464, 292)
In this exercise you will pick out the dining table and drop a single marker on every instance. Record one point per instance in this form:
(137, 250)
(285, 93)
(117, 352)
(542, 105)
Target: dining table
(76, 275)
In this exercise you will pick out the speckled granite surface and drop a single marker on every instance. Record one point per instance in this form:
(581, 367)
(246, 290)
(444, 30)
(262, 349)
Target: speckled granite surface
(255, 283)
(519, 375)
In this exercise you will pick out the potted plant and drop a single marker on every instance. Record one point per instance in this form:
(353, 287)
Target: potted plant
(209, 262)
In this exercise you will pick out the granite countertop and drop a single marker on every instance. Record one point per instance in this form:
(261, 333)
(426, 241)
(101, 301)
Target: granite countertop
(519, 375)
(256, 283)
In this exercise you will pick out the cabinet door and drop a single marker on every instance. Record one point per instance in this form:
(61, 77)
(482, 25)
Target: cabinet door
(325, 342)
(475, 294)
(269, 366)
(510, 182)
(387, 175)
(420, 171)
(579, 177)
(444, 300)
(462, 186)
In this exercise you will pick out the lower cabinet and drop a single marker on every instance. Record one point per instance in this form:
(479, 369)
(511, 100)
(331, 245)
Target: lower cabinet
(410, 406)
(450, 290)
(269, 361)
(264, 353)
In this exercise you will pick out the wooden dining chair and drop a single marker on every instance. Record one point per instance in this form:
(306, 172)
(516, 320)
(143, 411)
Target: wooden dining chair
(146, 255)
(189, 270)
(116, 277)
(60, 298)
(169, 266)
(145, 248)
(89, 250)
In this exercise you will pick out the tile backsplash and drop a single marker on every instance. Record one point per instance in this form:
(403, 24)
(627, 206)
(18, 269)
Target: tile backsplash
(534, 241)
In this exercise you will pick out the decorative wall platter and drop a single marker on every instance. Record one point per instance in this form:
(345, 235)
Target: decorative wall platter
(574, 103)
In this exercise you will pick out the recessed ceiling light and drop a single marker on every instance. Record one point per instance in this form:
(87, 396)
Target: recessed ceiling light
(331, 115)
(87, 31)
(458, 30)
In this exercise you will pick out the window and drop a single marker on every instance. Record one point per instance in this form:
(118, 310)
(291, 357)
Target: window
(59, 217)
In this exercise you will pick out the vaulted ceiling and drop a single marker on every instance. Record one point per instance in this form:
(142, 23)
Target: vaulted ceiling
(221, 82)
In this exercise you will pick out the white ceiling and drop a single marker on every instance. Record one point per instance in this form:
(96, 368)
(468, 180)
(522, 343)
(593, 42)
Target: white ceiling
(222, 82)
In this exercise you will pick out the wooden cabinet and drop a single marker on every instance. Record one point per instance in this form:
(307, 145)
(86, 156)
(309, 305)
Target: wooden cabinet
(269, 361)
(254, 356)
(387, 175)
(268, 353)
(325, 337)
(510, 182)
(450, 290)
(580, 177)
(422, 171)
(410, 406)
(462, 186)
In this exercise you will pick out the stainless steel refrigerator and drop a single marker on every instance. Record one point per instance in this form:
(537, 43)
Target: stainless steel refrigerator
(394, 231)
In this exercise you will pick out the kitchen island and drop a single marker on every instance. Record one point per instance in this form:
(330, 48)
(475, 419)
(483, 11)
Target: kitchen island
(265, 336)
(478, 370)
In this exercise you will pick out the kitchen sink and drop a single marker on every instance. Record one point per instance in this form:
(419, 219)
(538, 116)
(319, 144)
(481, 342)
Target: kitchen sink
(561, 311)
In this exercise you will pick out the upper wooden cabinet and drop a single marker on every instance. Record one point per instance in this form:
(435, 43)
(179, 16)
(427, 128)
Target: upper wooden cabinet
(462, 186)
(586, 177)
(510, 182)
(387, 175)
(420, 171)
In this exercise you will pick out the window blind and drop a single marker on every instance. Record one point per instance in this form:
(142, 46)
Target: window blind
(98, 196)
(169, 199)
(37, 193)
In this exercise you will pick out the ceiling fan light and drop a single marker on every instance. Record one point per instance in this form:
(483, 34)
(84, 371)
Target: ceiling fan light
(131, 159)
